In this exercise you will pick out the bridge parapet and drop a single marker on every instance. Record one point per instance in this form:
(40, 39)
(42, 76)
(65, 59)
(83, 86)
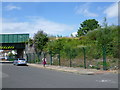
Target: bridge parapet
(13, 38)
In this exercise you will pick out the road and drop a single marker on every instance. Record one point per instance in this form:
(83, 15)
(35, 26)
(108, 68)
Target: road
(31, 77)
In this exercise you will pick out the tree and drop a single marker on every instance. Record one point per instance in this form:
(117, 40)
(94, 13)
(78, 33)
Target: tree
(55, 46)
(87, 25)
(103, 38)
(40, 40)
(30, 41)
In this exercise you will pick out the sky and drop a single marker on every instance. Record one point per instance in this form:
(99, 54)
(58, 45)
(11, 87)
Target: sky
(54, 18)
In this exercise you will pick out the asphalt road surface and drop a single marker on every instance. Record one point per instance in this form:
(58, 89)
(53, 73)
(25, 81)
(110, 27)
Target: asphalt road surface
(31, 77)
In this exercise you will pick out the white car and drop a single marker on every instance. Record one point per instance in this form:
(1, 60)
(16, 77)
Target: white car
(20, 61)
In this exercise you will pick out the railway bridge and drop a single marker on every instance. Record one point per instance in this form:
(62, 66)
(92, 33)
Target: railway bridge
(14, 42)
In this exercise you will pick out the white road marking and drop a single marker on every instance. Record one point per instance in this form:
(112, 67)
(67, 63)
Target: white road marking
(104, 81)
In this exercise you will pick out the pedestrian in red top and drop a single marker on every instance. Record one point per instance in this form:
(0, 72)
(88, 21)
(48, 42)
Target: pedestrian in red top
(44, 61)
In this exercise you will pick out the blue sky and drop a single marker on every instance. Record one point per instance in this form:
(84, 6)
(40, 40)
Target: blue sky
(54, 18)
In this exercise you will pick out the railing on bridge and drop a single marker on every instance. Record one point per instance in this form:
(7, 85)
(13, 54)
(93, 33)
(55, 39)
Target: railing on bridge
(13, 38)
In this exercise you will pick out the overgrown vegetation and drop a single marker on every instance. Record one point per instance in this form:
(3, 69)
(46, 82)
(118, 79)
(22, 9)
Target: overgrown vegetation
(100, 42)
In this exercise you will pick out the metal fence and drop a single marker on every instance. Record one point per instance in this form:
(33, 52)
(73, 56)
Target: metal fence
(85, 58)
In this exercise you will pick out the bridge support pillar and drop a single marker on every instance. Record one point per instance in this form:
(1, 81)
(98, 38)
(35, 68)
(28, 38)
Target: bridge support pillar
(20, 53)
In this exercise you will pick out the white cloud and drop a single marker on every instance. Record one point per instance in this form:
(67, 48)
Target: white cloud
(12, 7)
(84, 10)
(88, 13)
(74, 34)
(32, 27)
(112, 11)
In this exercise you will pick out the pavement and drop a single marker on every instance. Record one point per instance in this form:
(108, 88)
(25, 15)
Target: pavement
(74, 70)
(6, 61)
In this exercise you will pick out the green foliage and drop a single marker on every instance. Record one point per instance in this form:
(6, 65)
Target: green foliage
(70, 48)
(11, 59)
(81, 66)
(87, 25)
(101, 63)
(30, 41)
(40, 40)
(108, 37)
(103, 36)
(92, 38)
(70, 52)
(10, 54)
(54, 46)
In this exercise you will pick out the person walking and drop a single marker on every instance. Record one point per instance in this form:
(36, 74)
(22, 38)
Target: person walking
(44, 61)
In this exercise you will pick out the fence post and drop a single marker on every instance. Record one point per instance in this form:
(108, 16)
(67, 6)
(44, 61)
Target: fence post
(38, 60)
(84, 51)
(70, 59)
(59, 58)
(70, 63)
(104, 57)
(38, 57)
(27, 57)
(50, 58)
(33, 57)
(30, 57)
